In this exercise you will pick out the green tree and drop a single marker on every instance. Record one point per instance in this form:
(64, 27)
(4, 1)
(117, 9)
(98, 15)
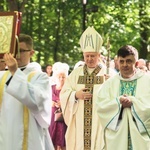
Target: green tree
(56, 25)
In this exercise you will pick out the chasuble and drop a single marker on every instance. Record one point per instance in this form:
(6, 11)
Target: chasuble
(84, 127)
(125, 128)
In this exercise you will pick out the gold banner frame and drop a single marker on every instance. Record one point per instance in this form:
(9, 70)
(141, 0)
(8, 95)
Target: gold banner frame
(9, 23)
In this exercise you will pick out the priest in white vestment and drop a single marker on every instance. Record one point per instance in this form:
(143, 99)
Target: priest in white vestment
(123, 105)
(24, 102)
(78, 96)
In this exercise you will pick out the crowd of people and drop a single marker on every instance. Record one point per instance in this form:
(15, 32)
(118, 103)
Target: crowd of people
(103, 108)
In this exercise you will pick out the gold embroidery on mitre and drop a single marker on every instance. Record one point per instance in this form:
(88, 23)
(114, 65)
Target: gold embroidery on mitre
(91, 40)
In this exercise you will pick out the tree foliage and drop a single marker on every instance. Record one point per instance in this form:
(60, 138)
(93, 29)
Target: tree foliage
(56, 25)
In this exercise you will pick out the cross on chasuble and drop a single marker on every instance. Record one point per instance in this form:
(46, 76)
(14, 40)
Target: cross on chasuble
(89, 81)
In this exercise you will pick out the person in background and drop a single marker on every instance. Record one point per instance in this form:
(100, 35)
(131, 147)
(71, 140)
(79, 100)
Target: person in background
(116, 67)
(52, 79)
(58, 129)
(141, 63)
(78, 64)
(144, 69)
(24, 102)
(78, 96)
(48, 70)
(103, 60)
(148, 65)
(123, 105)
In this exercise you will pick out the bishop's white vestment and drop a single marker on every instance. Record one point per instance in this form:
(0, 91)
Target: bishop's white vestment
(74, 112)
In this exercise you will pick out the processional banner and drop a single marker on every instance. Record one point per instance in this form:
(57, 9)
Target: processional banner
(9, 31)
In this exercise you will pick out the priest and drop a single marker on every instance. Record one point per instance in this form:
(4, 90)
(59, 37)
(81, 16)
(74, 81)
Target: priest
(24, 102)
(123, 105)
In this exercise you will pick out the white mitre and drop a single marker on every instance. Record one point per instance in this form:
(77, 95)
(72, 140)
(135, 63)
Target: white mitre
(91, 40)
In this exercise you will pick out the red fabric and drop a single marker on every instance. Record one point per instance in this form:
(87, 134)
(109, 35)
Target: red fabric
(57, 129)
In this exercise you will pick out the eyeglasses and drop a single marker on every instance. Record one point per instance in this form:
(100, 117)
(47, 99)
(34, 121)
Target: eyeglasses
(23, 50)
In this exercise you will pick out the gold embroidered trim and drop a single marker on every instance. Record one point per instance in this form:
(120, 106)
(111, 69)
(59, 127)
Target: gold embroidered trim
(2, 85)
(26, 120)
(89, 81)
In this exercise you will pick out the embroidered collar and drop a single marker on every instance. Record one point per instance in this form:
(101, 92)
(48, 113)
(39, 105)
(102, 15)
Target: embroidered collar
(95, 71)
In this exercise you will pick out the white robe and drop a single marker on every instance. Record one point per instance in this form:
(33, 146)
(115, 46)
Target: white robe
(109, 107)
(33, 94)
(74, 113)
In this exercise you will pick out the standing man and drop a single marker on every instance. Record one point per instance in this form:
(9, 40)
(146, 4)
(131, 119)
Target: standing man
(24, 102)
(123, 105)
(78, 96)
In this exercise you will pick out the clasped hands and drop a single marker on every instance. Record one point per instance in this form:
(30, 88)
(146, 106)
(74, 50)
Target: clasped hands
(125, 101)
(83, 94)
(10, 62)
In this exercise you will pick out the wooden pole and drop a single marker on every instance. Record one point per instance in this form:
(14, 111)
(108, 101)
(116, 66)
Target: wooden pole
(108, 56)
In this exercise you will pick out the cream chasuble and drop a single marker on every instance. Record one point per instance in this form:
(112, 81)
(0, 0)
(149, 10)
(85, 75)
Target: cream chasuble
(84, 128)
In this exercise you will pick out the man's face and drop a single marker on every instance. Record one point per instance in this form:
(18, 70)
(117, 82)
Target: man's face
(91, 59)
(25, 54)
(127, 66)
